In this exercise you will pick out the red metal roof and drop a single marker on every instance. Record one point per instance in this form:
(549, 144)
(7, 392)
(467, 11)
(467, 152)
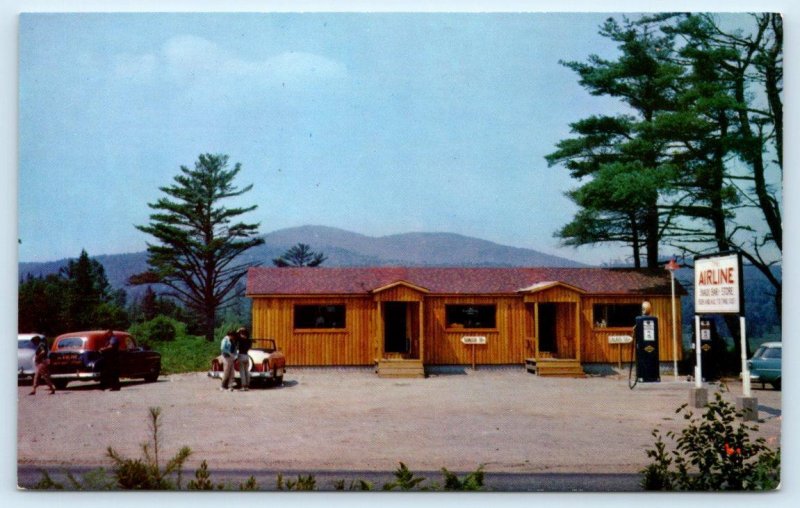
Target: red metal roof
(362, 281)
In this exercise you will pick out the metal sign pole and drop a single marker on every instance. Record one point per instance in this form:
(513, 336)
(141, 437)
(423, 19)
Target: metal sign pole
(674, 331)
(745, 370)
(698, 370)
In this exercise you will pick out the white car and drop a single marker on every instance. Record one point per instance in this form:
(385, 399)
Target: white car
(267, 363)
(25, 352)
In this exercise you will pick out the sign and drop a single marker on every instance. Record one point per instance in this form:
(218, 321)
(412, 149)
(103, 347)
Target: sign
(718, 284)
(473, 339)
(649, 330)
(620, 339)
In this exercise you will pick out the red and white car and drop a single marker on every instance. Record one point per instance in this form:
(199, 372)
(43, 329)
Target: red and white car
(267, 363)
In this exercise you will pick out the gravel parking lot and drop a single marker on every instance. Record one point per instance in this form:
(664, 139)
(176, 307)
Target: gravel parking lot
(349, 419)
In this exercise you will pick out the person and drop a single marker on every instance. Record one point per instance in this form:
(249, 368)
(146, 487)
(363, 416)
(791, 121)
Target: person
(228, 350)
(245, 343)
(42, 366)
(109, 377)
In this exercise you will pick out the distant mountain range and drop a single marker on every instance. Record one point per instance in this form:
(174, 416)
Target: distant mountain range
(345, 248)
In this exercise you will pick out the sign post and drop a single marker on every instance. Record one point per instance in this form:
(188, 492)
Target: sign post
(619, 340)
(474, 340)
(672, 266)
(719, 289)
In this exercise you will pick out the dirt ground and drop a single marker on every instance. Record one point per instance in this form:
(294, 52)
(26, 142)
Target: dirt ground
(349, 419)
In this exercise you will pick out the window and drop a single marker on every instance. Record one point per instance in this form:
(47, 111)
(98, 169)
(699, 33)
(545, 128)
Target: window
(616, 315)
(470, 316)
(319, 316)
(71, 343)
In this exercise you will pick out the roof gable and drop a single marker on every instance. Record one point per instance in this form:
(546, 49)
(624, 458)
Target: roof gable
(541, 286)
(401, 283)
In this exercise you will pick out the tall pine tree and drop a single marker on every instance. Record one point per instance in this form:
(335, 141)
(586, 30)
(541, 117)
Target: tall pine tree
(199, 240)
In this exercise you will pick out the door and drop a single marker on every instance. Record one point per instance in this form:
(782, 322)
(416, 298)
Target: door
(395, 328)
(547, 328)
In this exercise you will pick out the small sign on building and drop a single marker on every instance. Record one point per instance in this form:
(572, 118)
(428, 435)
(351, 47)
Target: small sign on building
(473, 339)
(620, 339)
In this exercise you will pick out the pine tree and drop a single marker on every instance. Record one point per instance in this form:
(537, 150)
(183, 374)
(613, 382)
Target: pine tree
(198, 241)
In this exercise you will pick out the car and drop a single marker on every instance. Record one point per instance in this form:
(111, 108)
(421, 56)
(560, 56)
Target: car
(267, 363)
(765, 365)
(76, 357)
(25, 353)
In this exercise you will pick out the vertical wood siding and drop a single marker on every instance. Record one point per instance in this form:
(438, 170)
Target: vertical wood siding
(595, 347)
(504, 344)
(353, 345)
(510, 342)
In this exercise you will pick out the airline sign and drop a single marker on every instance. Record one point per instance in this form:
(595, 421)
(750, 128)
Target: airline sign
(718, 284)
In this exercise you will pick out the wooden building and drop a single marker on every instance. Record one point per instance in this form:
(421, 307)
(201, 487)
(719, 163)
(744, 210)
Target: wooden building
(406, 318)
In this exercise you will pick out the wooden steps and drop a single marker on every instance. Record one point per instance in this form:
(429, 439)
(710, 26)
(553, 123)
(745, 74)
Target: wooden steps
(400, 368)
(554, 367)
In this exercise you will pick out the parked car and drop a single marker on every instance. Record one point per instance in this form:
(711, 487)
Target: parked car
(25, 353)
(267, 363)
(76, 357)
(765, 365)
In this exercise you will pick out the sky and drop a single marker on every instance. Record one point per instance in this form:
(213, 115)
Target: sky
(378, 123)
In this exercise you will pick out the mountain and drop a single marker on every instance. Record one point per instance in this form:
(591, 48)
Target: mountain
(345, 248)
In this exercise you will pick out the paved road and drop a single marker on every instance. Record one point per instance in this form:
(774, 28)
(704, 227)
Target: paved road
(505, 482)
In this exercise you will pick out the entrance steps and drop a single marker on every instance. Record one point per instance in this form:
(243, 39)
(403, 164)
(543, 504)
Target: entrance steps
(554, 367)
(400, 368)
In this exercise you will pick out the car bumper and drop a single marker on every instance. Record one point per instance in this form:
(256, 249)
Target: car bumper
(77, 376)
(217, 374)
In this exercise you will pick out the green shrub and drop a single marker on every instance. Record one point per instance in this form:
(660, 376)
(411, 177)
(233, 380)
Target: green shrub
(712, 453)
(159, 329)
(303, 483)
(146, 473)
(472, 481)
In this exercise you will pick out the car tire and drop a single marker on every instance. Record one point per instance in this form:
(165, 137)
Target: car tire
(60, 384)
(777, 384)
(152, 377)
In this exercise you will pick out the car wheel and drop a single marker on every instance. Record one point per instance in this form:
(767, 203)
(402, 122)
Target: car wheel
(60, 383)
(152, 377)
(777, 384)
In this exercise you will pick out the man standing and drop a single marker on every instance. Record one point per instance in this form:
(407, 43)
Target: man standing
(228, 350)
(42, 365)
(109, 377)
(245, 343)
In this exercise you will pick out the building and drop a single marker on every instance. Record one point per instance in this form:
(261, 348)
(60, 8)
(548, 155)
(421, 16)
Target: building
(399, 318)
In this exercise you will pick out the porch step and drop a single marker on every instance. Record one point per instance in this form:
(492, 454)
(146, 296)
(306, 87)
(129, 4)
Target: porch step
(395, 368)
(554, 367)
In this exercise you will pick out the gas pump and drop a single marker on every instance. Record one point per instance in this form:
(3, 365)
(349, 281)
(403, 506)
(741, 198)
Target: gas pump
(710, 349)
(646, 347)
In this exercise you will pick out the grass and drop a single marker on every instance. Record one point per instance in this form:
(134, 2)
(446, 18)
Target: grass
(187, 353)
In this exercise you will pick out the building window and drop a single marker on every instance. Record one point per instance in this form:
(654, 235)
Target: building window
(616, 315)
(319, 316)
(470, 316)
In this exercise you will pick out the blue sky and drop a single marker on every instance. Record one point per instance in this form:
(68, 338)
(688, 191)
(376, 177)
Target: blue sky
(376, 123)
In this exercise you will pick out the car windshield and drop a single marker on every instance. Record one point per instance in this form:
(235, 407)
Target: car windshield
(70, 343)
(267, 345)
(25, 344)
(768, 352)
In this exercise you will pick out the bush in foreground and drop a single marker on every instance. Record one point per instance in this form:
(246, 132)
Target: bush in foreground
(712, 453)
